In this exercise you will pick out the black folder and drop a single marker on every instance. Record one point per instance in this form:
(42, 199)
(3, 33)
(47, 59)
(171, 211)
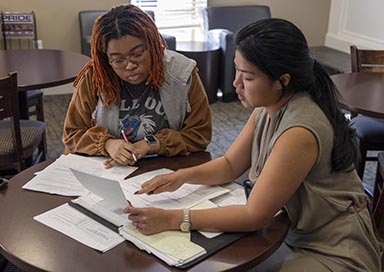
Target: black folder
(211, 245)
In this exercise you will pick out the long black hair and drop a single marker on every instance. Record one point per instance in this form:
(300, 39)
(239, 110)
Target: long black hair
(277, 47)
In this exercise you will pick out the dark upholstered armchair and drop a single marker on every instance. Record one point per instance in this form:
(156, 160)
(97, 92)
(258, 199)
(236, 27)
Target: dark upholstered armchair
(87, 19)
(221, 24)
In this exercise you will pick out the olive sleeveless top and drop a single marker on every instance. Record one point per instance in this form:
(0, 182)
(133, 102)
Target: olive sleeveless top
(330, 221)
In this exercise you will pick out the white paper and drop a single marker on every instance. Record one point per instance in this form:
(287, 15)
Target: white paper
(236, 196)
(186, 196)
(58, 179)
(107, 189)
(95, 165)
(206, 205)
(80, 227)
(103, 209)
(173, 247)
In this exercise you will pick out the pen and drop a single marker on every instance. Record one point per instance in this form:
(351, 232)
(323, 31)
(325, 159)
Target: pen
(154, 155)
(126, 140)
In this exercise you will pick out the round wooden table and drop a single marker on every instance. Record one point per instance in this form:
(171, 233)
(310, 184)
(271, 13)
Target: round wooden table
(361, 92)
(35, 247)
(40, 68)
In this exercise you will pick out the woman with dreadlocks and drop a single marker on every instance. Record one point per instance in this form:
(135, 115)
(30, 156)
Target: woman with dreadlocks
(135, 97)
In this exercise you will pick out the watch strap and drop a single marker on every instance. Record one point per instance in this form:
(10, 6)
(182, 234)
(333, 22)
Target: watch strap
(185, 225)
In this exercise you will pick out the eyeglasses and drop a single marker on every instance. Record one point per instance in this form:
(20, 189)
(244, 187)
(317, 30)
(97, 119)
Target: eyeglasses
(122, 63)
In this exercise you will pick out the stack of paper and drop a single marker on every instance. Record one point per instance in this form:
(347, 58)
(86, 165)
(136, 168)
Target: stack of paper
(173, 247)
(58, 179)
(104, 205)
(80, 227)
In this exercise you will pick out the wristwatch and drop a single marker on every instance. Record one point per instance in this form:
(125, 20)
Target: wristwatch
(185, 225)
(150, 139)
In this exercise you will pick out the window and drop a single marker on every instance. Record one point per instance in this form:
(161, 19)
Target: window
(180, 18)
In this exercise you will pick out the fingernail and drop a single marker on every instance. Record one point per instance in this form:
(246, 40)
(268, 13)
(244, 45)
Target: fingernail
(135, 193)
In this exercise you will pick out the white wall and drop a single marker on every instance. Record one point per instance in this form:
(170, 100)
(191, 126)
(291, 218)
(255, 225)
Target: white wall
(355, 22)
(58, 23)
(311, 16)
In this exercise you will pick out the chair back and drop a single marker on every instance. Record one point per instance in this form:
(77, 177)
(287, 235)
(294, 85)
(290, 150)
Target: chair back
(9, 120)
(221, 23)
(364, 60)
(151, 14)
(87, 19)
(233, 18)
(18, 30)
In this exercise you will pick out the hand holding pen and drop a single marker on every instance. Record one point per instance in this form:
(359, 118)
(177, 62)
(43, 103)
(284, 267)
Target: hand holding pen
(126, 140)
(119, 153)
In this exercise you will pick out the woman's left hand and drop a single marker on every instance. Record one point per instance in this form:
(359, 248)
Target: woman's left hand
(151, 220)
(141, 148)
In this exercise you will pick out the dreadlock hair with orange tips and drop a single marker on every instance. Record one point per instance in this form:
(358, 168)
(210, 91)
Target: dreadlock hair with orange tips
(118, 22)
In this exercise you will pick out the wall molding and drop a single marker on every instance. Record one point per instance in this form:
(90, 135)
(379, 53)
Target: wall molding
(340, 35)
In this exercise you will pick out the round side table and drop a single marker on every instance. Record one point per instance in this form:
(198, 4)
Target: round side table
(207, 56)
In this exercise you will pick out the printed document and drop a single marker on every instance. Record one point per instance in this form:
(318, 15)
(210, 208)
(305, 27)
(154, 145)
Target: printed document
(106, 200)
(80, 227)
(173, 247)
(106, 189)
(58, 179)
(81, 220)
(186, 196)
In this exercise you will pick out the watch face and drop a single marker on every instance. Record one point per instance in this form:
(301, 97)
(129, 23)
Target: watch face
(150, 139)
(185, 227)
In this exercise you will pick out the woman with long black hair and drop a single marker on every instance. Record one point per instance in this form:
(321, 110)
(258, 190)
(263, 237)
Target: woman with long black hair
(301, 154)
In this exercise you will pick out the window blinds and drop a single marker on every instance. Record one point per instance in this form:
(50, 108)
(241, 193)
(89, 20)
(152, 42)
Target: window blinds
(180, 15)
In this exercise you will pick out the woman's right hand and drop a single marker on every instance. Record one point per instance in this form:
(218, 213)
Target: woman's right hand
(120, 152)
(162, 183)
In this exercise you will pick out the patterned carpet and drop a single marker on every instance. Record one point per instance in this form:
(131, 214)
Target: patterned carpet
(228, 120)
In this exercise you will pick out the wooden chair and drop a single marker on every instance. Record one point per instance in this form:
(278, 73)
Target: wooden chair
(19, 139)
(370, 131)
(19, 32)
